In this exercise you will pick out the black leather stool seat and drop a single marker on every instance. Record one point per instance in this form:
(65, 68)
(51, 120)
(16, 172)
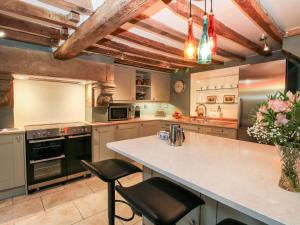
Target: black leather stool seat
(230, 222)
(160, 201)
(111, 169)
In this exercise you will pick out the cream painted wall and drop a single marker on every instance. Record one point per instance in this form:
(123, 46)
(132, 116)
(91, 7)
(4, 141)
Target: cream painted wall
(225, 81)
(39, 102)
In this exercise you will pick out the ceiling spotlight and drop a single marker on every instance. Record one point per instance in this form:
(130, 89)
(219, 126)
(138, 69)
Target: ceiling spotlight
(122, 56)
(266, 47)
(2, 34)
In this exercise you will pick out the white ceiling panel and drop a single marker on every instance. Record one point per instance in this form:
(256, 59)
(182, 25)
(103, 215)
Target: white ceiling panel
(285, 13)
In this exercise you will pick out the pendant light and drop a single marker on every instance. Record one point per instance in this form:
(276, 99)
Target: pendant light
(204, 49)
(190, 46)
(211, 30)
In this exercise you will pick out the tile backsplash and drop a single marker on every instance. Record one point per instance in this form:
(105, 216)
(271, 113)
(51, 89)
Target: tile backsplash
(150, 108)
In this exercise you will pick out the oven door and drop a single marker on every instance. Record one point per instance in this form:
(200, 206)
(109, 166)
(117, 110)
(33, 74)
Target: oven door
(78, 147)
(46, 163)
(118, 113)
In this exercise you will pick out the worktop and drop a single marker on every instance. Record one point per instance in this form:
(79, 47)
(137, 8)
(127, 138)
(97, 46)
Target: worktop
(239, 174)
(211, 122)
(6, 131)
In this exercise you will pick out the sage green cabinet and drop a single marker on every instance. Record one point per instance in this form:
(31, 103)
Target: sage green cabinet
(12, 161)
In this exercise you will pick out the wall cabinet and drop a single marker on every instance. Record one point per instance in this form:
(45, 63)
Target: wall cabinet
(102, 136)
(158, 89)
(125, 82)
(161, 84)
(12, 161)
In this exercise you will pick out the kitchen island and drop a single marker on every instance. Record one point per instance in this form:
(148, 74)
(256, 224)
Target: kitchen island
(241, 175)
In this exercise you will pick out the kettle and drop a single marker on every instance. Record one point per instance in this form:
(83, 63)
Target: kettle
(177, 136)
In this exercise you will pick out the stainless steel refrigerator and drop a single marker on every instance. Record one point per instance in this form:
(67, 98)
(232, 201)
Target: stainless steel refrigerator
(255, 83)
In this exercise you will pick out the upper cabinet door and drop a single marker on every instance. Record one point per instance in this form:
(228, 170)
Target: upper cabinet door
(160, 87)
(125, 82)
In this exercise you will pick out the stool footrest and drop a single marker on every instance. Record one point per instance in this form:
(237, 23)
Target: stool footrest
(134, 212)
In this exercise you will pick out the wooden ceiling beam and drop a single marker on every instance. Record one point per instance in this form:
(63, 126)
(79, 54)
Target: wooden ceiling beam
(293, 32)
(29, 38)
(145, 66)
(34, 12)
(106, 19)
(147, 54)
(181, 8)
(30, 27)
(129, 36)
(79, 6)
(255, 11)
(156, 27)
(130, 57)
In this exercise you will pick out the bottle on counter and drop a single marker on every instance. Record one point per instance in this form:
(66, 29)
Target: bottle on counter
(137, 112)
(219, 110)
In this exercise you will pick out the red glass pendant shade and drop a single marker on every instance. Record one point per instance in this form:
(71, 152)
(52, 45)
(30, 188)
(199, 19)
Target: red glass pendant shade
(190, 45)
(212, 33)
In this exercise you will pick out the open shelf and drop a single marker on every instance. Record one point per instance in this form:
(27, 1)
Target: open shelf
(217, 89)
(144, 86)
(221, 103)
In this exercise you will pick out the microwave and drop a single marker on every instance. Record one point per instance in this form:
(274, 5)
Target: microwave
(118, 112)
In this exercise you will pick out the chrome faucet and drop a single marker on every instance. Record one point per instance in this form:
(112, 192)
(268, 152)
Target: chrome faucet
(205, 113)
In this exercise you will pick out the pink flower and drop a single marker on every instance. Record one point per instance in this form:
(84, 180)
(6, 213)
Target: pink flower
(291, 96)
(281, 119)
(263, 109)
(279, 106)
(259, 116)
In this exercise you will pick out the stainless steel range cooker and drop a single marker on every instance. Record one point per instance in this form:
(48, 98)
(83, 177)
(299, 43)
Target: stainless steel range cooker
(54, 151)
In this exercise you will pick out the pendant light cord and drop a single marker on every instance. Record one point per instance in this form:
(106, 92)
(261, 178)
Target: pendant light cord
(205, 7)
(190, 8)
(211, 6)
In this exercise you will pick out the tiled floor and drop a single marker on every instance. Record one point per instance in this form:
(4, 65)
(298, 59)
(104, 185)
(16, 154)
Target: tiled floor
(83, 202)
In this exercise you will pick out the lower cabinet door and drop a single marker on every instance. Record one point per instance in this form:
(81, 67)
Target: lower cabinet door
(150, 128)
(102, 136)
(12, 161)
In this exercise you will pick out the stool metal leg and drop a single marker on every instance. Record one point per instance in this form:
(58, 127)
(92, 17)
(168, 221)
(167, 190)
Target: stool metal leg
(111, 203)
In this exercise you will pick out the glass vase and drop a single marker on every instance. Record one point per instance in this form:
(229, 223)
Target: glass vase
(290, 168)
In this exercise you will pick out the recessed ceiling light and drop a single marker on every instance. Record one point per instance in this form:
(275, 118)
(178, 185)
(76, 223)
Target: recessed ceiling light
(2, 34)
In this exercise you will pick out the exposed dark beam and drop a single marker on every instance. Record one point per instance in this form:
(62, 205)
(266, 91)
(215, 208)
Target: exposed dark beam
(130, 57)
(180, 7)
(31, 11)
(29, 38)
(147, 54)
(129, 36)
(145, 66)
(106, 19)
(35, 28)
(166, 31)
(260, 16)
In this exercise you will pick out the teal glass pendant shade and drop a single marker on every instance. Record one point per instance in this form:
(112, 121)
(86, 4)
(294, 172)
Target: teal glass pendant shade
(204, 48)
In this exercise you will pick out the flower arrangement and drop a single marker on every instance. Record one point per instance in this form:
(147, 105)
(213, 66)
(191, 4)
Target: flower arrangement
(277, 122)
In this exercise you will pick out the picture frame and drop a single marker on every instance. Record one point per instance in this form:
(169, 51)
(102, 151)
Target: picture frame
(229, 99)
(5, 98)
(211, 99)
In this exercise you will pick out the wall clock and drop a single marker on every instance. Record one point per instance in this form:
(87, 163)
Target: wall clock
(179, 86)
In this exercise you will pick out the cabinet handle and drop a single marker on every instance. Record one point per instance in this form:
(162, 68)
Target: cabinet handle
(18, 138)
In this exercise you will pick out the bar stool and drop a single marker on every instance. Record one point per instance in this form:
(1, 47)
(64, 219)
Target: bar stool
(110, 171)
(230, 222)
(160, 201)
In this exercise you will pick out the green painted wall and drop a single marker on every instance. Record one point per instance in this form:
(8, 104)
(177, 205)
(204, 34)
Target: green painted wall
(182, 100)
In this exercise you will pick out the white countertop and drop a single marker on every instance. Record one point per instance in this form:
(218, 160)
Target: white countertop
(239, 174)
